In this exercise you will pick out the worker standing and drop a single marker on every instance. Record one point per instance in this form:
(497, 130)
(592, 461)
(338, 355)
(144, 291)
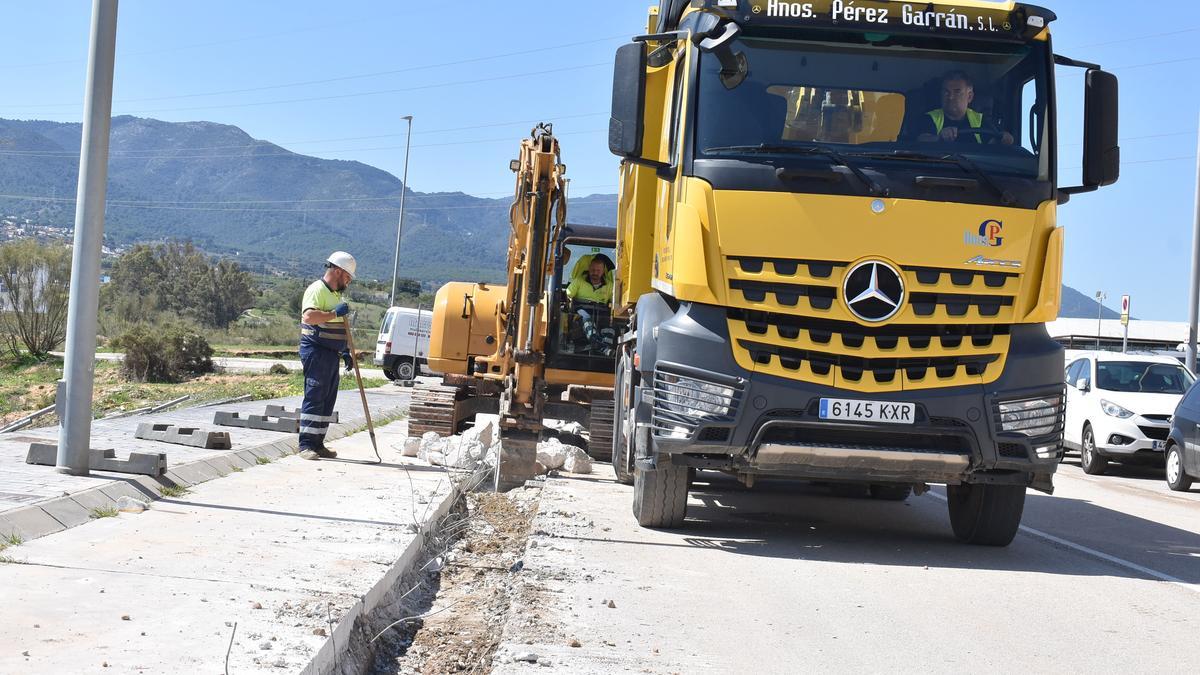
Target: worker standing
(322, 345)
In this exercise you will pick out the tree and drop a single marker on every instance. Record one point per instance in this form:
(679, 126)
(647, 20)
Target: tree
(176, 278)
(35, 283)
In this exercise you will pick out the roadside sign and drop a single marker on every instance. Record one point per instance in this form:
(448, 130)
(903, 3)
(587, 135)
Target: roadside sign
(1124, 310)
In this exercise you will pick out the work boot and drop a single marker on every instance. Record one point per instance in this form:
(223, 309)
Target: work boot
(319, 452)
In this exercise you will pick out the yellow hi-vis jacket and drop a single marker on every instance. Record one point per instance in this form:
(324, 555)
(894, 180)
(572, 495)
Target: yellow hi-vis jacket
(975, 119)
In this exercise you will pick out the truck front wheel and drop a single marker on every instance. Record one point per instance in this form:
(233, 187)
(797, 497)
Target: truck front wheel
(986, 515)
(660, 496)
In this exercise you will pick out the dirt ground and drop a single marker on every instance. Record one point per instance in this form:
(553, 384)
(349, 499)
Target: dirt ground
(467, 597)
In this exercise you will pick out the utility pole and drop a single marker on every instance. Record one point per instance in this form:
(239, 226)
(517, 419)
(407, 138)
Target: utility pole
(1101, 296)
(1194, 309)
(400, 227)
(75, 389)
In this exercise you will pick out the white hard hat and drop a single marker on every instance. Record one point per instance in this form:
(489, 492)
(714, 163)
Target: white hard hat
(345, 261)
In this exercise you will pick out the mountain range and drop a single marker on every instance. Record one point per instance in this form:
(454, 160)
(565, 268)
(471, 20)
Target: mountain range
(275, 210)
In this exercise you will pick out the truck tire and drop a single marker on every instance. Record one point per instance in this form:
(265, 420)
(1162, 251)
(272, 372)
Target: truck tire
(660, 496)
(1090, 460)
(891, 492)
(986, 515)
(622, 419)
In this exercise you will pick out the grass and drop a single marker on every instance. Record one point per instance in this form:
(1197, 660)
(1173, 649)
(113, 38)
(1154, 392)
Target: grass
(12, 539)
(172, 491)
(237, 469)
(27, 385)
(264, 460)
(103, 512)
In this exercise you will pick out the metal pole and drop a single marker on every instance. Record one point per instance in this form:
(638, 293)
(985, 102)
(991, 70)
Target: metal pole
(1194, 309)
(400, 226)
(74, 439)
(1125, 341)
(1100, 296)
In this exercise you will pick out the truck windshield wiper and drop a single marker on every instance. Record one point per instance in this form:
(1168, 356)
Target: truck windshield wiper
(838, 158)
(956, 159)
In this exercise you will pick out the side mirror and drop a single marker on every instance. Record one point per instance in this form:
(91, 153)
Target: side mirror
(1101, 149)
(1083, 385)
(626, 127)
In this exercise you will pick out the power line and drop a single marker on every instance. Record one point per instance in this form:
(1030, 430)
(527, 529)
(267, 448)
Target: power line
(170, 202)
(286, 153)
(344, 78)
(200, 45)
(1136, 38)
(150, 154)
(332, 97)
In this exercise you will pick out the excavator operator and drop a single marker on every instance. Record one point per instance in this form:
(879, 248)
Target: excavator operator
(595, 285)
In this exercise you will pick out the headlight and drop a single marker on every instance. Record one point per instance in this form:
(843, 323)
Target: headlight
(693, 397)
(1113, 410)
(1032, 417)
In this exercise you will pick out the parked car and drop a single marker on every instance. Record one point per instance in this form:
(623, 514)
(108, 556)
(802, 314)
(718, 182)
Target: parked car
(403, 343)
(1119, 407)
(1183, 446)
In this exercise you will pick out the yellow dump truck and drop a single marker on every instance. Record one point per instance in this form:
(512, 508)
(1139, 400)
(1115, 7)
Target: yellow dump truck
(838, 246)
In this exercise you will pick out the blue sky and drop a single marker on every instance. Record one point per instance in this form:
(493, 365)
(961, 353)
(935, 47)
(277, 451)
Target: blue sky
(333, 79)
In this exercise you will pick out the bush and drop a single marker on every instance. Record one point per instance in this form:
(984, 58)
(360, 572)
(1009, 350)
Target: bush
(164, 355)
(279, 369)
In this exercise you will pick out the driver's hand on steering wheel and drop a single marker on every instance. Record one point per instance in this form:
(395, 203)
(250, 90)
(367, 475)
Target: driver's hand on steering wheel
(949, 134)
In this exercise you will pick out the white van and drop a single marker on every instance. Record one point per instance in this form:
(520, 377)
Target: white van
(403, 343)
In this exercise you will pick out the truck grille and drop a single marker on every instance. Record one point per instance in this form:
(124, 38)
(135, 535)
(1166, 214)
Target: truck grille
(787, 320)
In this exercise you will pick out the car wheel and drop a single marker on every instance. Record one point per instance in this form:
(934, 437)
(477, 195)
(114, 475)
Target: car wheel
(405, 370)
(1089, 459)
(1177, 478)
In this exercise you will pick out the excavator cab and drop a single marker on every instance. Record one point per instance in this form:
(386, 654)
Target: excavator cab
(582, 336)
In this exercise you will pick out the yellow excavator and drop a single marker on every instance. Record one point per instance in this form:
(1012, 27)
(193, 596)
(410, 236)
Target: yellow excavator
(527, 350)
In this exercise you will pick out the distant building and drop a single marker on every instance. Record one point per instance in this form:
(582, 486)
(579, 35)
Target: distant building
(1143, 335)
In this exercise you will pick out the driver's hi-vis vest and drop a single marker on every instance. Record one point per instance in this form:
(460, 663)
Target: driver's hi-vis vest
(975, 119)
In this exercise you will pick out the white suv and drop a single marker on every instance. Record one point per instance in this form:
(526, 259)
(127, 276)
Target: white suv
(1119, 407)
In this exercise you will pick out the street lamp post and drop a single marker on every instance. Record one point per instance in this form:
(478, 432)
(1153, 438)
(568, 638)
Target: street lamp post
(1101, 296)
(75, 389)
(400, 226)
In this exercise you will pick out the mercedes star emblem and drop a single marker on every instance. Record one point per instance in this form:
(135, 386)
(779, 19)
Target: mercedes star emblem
(874, 291)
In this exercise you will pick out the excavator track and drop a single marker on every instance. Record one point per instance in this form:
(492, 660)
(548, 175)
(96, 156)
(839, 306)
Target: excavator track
(600, 430)
(433, 409)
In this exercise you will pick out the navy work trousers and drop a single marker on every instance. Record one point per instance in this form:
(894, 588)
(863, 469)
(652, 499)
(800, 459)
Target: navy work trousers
(322, 373)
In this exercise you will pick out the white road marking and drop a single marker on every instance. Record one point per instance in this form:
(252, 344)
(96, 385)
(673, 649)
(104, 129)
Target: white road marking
(1121, 562)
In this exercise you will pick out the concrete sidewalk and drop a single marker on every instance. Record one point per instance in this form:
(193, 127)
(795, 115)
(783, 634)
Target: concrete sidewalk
(286, 551)
(37, 500)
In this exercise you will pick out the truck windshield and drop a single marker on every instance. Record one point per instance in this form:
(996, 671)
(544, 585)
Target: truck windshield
(893, 97)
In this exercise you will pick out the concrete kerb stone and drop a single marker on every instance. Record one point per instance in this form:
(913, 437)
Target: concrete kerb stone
(221, 464)
(37, 520)
(335, 649)
(29, 523)
(68, 512)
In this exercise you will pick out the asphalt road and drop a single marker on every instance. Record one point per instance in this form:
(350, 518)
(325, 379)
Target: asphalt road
(1105, 576)
(232, 364)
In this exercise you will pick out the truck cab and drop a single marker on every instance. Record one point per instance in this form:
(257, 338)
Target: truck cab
(838, 246)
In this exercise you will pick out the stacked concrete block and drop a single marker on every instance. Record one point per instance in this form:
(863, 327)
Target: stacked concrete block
(290, 413)
(144, 463)
(190, 436)
(263, 422)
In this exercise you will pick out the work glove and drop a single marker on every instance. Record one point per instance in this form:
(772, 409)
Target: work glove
(347, 361)
(341, 310)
